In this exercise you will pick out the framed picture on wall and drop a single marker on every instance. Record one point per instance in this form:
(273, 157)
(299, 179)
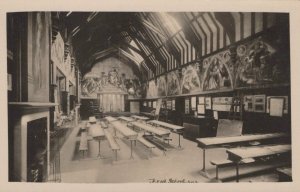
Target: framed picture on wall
(276, 106)
(187, 106)
(193, 103)
(201, 109)
(248, 103)
(154, 104)
(259, 103)
(285, 106)
(149, 104)
(201, 100)
(208, 102)
(173, 105)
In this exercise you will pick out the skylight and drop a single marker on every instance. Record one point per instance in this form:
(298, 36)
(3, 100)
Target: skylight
(169, 23)
(137, 56)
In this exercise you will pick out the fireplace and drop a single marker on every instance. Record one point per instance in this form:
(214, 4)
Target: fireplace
(37, 150)
(29, 142)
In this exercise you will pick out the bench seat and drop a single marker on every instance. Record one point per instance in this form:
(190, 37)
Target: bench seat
(83, 146)
(112, 142)
(145, 142)
(220, 164)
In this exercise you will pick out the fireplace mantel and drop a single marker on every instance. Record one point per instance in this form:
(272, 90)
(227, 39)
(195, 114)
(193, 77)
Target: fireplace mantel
(32, 104)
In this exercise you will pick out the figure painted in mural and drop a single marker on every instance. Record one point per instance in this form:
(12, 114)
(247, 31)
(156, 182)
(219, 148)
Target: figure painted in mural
(255, 66)
(103, 79)
(173, 84)
(190, 80)
(113, 77)
(89, 86)
(217, 76)
(162, 86)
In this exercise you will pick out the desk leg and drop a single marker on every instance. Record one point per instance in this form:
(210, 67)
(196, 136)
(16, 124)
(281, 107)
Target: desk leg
(179, 146)
(237, 172)
(203, 168)
(99, 153)
(203, 171)
(131, 157)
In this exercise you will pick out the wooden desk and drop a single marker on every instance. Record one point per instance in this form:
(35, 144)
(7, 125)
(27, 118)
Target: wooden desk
(151, 129)
(96, 131)
(215, 142)
(110, 119)
(127, 132)
(142, 118)
(174, 128)
(237, 155)
(127, 119)
(124, 130)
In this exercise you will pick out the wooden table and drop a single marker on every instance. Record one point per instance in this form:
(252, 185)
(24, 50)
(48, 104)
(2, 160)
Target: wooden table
(151, 129)
(127, 132)
(110, 119)
(215, 142)
(237, 155)
(96, 131)
(174, 128)
(142, 118)
(127, 119)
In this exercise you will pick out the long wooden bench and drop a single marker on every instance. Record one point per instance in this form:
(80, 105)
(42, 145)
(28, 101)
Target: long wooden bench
(83, 145)
(249, 170)
(112, 142)
(221, 164)
(147, 144)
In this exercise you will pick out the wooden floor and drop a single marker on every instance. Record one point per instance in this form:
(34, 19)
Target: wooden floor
(178, 165)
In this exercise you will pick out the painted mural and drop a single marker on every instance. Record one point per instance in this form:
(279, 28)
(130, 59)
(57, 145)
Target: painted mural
(259, 63)
(263, 60)
(190, 80)
(151, 89)
(217, 72)
(173, 83)
(162, 86)
(92, 85)
(38, 60)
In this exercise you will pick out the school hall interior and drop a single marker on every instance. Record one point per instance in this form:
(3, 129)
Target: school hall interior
(148, 97)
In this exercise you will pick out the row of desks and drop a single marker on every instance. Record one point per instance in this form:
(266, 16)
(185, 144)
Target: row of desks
(174, 128)
(215, 142)
(97, 132)
(126, 132)
(239, 155)
(151, 129)
(133, 120)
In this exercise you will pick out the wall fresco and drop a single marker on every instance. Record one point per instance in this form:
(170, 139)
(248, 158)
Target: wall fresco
(173, 81)
(217, 72)
(260, 63)
(111, 75)
(151, 89)
(191, 82)
(162, 86)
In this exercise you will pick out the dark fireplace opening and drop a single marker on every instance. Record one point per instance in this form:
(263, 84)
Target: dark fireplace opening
(37, 150)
